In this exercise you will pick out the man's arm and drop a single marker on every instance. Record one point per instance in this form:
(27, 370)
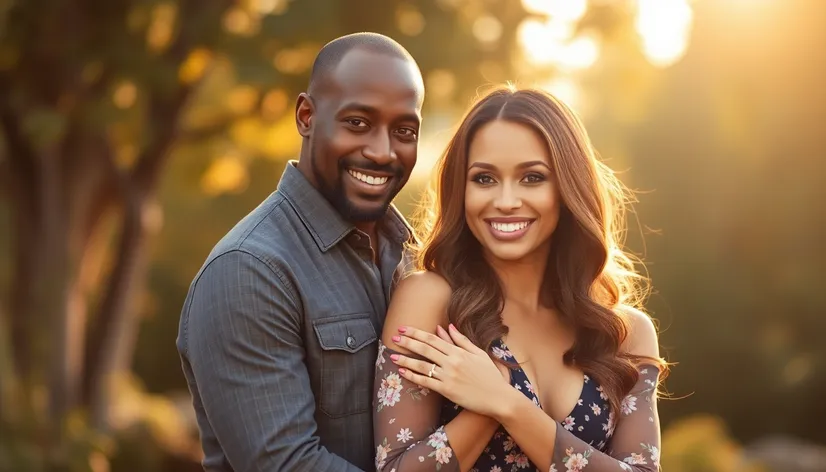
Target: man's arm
(246, 352)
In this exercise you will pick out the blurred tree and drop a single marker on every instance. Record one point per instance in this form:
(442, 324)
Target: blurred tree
(727, 148)
(95, 96)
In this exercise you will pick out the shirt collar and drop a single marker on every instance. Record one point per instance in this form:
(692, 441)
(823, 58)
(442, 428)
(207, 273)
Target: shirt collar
(325, 223)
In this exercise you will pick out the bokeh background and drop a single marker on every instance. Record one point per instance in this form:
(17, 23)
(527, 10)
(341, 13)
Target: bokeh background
(135, 133)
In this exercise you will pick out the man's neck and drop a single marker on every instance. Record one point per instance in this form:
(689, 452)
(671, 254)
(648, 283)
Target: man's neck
(370, 228)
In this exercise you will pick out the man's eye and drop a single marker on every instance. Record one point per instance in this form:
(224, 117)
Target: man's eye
(407, 132)
(357, 122)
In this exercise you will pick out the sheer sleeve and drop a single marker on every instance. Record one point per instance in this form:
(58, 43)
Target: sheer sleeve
(406, 423)
(635, 435)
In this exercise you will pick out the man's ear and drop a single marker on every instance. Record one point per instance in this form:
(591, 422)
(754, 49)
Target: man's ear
(304, 111)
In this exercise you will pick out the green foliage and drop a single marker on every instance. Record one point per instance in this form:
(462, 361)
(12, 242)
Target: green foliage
(702, 444)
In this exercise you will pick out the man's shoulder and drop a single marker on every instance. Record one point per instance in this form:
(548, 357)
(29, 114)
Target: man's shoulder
(269, 232)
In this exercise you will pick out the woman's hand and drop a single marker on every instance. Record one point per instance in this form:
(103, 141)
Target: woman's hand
(458, 370)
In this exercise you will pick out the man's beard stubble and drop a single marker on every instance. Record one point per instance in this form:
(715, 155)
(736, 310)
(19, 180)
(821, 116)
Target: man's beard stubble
(335, 194)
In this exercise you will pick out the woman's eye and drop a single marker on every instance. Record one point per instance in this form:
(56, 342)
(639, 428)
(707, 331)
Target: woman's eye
(483, 179)
(534, 178)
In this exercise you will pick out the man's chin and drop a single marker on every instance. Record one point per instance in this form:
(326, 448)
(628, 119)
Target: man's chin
(366, 214)
(361, 211)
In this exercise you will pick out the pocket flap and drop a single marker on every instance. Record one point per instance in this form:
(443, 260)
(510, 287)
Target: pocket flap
(345, 334)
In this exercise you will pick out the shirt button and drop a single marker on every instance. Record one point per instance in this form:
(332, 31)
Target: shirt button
(351, 341)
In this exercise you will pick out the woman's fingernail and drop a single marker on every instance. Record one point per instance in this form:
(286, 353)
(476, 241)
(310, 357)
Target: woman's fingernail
(396, 339)
(402, 329)
(402, 371)
(452, 327)
(394, 357)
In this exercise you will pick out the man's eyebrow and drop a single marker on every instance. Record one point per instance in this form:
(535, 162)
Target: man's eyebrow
(410, 117)
(355, 106)
(373, 111)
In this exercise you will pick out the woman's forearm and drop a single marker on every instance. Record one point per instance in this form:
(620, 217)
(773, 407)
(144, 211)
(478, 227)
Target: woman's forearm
(469, 434)
(532, 429)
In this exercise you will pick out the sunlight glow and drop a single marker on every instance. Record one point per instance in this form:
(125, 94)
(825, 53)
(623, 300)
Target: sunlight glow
(542, 39)
(241, 99)
(566, 90)
(487, 29)
(664, 26)
(160, 31)
(271, 7)
(125, 95)
(226, 174)
(194, 66)
(564, 10)
(409, 20)
(440, 84)
(239, 22)
(550, 42)
(581, 53)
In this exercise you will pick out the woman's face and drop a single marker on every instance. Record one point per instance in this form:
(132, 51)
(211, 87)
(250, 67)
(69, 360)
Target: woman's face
(511, 197)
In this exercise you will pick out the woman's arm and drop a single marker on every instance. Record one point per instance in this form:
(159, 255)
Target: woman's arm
(635, 430)
(634, 445)
(408, 433)
(468, 378)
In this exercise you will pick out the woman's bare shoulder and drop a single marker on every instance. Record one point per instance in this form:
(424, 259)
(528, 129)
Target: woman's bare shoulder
(420, 300)
(642, 337)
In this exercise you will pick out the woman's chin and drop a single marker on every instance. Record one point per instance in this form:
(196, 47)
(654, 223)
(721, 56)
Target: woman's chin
(507, 254)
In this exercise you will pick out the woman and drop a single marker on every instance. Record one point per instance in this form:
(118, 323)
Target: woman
(523, 258)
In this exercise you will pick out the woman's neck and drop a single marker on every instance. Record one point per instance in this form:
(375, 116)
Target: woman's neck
(522, 280)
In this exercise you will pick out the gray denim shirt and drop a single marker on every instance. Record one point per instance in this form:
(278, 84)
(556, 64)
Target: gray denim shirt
(278, 335)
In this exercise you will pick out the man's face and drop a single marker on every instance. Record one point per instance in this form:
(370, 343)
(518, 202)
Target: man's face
(364, 133)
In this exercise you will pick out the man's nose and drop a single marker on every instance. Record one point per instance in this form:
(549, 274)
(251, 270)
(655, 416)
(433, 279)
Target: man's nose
(380, 148)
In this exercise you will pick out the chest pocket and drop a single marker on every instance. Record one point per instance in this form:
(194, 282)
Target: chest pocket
(348, 359)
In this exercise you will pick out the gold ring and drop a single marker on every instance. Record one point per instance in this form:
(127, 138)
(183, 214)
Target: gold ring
(432, 369)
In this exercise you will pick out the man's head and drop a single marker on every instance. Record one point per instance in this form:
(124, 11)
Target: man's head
(360, 121)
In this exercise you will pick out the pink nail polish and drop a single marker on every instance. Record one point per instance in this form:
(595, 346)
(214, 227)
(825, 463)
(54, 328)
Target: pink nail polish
(452, 327)
(402, 371)
(394, 357)
(396, 339)
(402, 329)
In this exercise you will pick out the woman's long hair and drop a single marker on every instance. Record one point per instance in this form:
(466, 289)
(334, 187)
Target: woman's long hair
(588, 274)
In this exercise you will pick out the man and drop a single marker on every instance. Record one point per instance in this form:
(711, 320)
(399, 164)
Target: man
(278, 335)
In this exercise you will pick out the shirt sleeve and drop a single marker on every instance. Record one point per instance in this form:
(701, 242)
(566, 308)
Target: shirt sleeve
(244, 357)
(406, 423)
(634, 435)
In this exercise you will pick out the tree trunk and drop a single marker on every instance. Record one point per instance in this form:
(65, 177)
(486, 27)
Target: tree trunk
(9, 381)
(114, 333)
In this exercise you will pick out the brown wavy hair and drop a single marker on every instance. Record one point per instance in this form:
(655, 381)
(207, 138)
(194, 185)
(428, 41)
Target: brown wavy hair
(588, 277)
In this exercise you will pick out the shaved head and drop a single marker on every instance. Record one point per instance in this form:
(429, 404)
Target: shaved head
(333, 52)
(360, 122)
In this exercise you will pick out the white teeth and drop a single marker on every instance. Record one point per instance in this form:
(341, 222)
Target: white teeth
(509, 227)
(368, 179)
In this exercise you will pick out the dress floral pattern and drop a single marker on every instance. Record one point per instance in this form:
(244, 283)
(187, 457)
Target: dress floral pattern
(409, 427)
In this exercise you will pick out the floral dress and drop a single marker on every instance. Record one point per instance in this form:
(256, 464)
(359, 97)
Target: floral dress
(409, 421)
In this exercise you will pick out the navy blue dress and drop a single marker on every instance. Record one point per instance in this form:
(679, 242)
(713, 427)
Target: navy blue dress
(409, 424)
